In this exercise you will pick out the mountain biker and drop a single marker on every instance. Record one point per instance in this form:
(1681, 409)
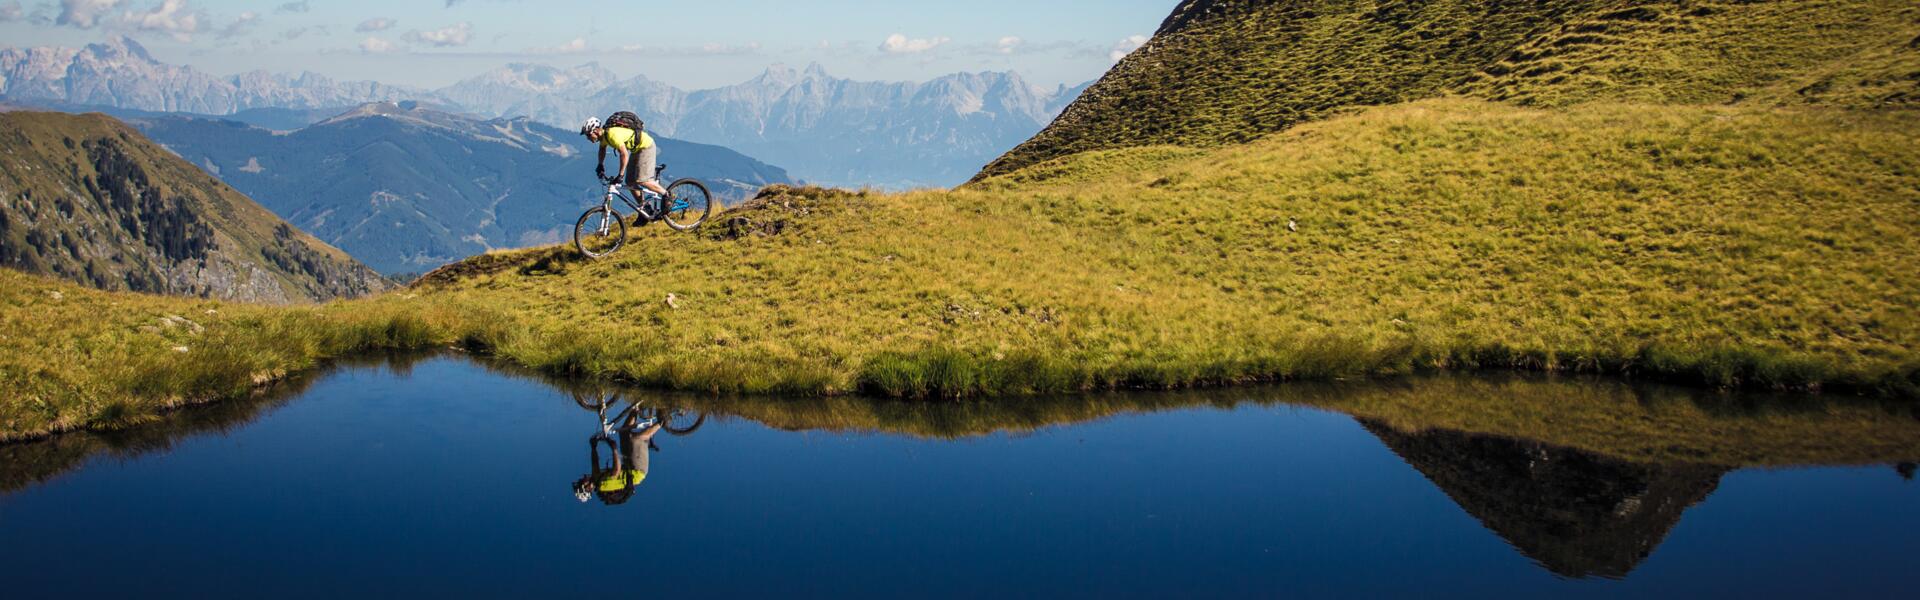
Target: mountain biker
(638, 153)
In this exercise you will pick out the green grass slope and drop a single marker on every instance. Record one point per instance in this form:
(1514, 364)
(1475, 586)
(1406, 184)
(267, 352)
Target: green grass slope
(1230, 71)
(86, 198)
(1731, 245)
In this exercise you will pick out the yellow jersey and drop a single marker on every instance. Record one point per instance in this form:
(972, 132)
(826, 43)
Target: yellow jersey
(621, 137)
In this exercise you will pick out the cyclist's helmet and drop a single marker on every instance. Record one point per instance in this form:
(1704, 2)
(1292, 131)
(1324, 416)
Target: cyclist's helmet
(592, 124)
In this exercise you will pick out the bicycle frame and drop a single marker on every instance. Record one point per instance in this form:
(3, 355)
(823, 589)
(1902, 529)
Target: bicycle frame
(606, 425)
(625, 194)
(619, 190)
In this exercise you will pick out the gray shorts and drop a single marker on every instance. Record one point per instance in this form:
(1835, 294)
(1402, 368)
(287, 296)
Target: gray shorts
(641, 165)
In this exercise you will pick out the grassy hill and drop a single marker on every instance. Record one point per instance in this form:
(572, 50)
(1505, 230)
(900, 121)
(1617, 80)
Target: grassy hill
(87, 198)
(1729, 245)
(1230, 71)
(1717, 192)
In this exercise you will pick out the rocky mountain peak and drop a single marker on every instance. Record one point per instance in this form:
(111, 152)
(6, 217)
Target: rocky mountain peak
(120, 48)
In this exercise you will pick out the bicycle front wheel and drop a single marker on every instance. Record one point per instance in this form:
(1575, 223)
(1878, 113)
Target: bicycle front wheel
(688, 204)
(599, 232)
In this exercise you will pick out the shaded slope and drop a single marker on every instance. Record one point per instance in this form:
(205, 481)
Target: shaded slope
(1229, 71)
(89, 199)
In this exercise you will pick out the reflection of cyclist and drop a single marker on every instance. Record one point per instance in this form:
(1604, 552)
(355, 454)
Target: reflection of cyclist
(614, 483)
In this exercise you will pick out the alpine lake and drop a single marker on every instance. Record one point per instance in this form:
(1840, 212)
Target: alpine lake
(442, 475)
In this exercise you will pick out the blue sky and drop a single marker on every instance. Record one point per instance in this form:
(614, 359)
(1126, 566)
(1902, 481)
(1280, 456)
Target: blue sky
(691, 44)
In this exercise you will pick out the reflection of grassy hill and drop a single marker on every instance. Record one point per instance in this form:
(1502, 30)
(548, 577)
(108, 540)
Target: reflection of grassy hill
(1578, 514)
(1608, 419)
(1609, 433)
(1723, 192)
(23, 465)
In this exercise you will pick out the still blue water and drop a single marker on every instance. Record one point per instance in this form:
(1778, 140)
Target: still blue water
(449, 479)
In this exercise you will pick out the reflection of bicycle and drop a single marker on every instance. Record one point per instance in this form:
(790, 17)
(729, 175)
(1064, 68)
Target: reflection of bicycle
(601, 230)
(627, 438)
(677, 421)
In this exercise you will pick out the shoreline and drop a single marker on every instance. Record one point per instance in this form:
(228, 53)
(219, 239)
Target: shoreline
(267, 386)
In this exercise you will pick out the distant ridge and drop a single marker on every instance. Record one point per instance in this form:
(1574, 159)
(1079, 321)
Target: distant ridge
(409, 186)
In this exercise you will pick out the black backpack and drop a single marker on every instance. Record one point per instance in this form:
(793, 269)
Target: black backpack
(626, 119)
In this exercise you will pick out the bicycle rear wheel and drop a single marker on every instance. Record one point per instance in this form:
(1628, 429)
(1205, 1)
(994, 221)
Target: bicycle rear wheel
(688, 204)
(599, 232)
(681, 421)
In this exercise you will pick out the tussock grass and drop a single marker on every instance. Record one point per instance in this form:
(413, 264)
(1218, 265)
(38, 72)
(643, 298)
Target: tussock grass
(75, 358)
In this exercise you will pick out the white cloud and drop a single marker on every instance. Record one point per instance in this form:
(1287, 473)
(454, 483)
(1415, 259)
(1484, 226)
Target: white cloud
(577, 46)
(171, 17)
(375, 24)
(1126, 46)
(11, 11)
(292, 7)
(240, 25)
(85, 14)
(374, 45)
(1009, 44)
(709, 49)
(457, 35)
(901, 44)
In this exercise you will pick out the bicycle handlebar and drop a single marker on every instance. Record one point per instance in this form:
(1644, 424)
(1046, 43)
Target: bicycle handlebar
(615, 179)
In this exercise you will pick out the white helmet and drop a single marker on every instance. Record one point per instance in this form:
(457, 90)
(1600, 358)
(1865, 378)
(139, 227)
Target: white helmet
(592, 124)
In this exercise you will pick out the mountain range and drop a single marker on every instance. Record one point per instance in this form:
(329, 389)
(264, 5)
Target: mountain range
(823, 128)
(120, 73)
(407, 187)
(86, 198)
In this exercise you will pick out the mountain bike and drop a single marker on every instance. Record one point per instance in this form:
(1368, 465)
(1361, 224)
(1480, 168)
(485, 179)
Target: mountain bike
(602, 231)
